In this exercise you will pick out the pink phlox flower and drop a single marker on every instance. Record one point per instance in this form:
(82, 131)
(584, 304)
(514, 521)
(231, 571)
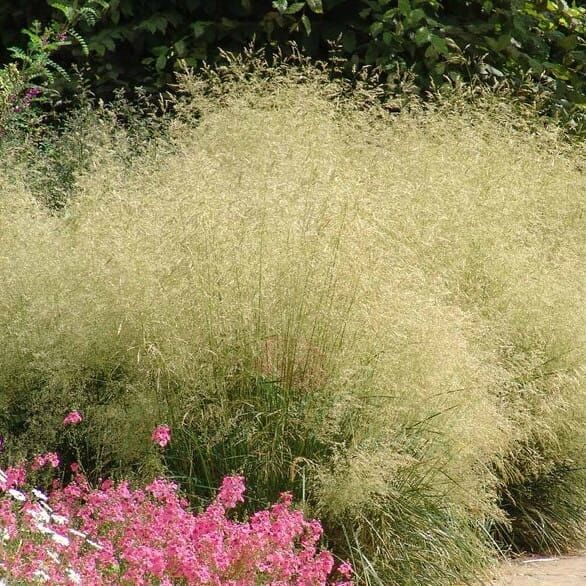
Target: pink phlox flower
(73, 418)
(118, 534)
(107, 484)
(15, 477)
(50, 458)
(345, 569)
(231, 492)
(163, 490)
(161, 435)
(312, 534)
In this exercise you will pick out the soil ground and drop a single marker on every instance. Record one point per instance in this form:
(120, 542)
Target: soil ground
(564, 571)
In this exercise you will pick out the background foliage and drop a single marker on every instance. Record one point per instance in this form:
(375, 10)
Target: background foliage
(29, 77)
(142, 43)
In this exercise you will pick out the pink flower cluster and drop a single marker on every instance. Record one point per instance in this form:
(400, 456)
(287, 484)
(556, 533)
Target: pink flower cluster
(161, 435)
(50, 458)
(118, 535)
(73, 418)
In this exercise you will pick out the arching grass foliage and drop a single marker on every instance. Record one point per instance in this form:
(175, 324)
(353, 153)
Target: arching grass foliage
(382, 314)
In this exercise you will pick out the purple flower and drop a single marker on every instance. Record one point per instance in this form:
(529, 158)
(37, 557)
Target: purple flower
(32, 92)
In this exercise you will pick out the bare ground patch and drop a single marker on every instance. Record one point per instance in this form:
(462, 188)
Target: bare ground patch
(538, 571)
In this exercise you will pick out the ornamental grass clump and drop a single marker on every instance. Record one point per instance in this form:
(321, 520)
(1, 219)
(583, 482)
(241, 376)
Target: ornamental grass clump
(380, 313)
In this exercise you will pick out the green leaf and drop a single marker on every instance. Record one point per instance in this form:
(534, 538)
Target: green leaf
(33, 37)
(103, 4)
(500, 43)
(422, 36)
(316, 6)
(416, 16)
(127, 8)
(229, 24)
(115, 16)
(558, 70)
(349, 41)
(84, 48)
(431, 53)
(67, 11)
(180, 47)
(376, 28)
(568, 42)
(101, 43)
(157, 22)
(404, 7)
(280, 5)
(161, 61)
(306, 23)
(199, 28)
(18, 54)
(269, 27)
(439, 44)
(295, 8)
(60, 70)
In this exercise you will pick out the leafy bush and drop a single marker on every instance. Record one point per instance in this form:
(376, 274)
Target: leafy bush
(382, 315)
(30, 75)
(537, 40)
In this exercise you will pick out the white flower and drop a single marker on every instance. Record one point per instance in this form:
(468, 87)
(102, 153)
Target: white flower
(60, 539)
(46, 506)
(59, 519)
(40, 495)
(73, 576)
(40, 515)
(94, 544)
(17, 495)
(77, 533)
(42, 575)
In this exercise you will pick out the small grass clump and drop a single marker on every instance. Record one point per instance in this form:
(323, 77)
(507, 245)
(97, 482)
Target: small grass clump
(382, 314)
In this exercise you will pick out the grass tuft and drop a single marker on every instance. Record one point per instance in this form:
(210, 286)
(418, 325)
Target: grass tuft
(381, 313)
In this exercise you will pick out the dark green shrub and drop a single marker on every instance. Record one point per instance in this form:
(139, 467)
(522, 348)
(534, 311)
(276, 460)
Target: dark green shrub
(491, 40)
(29, 76)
